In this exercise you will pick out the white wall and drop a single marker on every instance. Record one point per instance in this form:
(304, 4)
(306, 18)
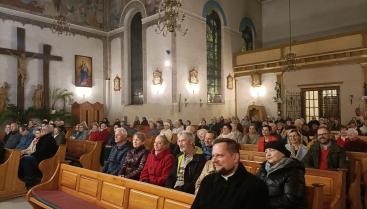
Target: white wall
(244, 98)
(61, 73)
(190, 53)
(350, 78)
(311, 18)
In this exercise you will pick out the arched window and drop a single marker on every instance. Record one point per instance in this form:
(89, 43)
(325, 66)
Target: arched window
(136, 60)
(214, 65)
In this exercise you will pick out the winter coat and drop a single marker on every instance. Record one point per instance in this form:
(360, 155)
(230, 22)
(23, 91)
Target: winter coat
(208, 169)
(118, 153)
(336, 157)
(242, 190)
(286, 183)
(134, 163)
(46, 147)
(191, 174)
(157, 168)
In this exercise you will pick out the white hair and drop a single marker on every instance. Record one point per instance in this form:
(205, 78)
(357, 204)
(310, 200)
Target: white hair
(187, 135)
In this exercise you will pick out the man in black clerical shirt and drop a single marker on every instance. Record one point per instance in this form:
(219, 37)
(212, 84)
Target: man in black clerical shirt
(231, 186)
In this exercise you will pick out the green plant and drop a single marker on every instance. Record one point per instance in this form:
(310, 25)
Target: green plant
(13, 114)
(61, 94)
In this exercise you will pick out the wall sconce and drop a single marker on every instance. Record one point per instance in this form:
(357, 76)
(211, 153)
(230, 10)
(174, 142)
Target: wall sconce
(201, 103)
(257, 91)
(186, 102)
(84, 92)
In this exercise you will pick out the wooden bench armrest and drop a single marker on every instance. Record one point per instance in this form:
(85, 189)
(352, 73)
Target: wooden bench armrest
(51, 184)
(335, 203)
(86, 159)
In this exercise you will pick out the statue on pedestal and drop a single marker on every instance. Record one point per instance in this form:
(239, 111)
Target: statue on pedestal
(38, 97)
(4, 96)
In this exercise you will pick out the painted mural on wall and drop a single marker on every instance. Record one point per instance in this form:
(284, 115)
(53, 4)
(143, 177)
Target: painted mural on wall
(117, 7)
(82, 12)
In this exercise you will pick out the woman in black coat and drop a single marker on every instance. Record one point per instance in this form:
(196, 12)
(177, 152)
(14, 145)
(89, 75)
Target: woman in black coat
(284, 177)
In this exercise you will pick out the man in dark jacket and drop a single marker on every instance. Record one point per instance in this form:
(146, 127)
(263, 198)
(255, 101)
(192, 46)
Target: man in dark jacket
(25, 139)
(28, 168)
(231, 186)
(14, 137)
(2, 152)
(188, 165)
(325, 153)
(118, 152)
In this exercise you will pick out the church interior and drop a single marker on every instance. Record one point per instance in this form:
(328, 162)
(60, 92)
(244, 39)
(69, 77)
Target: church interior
(123, 59)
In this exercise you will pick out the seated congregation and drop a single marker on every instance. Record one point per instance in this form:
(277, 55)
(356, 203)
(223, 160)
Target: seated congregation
(204, 160)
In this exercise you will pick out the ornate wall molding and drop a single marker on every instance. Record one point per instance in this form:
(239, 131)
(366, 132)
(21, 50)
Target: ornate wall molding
(328, 51)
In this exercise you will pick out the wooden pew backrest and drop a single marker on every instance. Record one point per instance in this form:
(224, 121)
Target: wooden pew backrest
(249, 147)
(334, 186)
(112, 191)
(10, 185)
(49, 166)
(88, 152)
(252, 155)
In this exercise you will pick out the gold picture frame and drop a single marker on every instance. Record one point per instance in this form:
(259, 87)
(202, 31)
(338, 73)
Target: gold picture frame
(230, 82)
(83, 71)
(117, 83)
(193, 76)
(157, 77)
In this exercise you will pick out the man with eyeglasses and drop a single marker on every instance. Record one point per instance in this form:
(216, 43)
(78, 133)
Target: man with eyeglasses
(325, 153)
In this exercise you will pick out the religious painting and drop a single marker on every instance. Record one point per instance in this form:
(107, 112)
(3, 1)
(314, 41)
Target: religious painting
(83, 71)
(256, 79)
(82, 12)
(193, 76)
(229, 81)
(116, 83)
(157, 77)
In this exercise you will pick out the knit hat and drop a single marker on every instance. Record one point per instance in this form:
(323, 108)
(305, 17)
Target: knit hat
(278, 145)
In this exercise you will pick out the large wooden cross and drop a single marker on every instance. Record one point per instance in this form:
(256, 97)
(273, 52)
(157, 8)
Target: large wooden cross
(46, 57)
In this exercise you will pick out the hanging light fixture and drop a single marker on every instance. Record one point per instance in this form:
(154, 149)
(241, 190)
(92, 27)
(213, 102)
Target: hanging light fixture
(290, 57)
(61, 24)
(170, 18)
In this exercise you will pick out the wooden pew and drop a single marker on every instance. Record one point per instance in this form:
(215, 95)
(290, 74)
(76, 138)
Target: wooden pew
(49, 166)
(332, 184)
(334, 190)
(252, 155)
(364, 138)
(249, 147)
(357, 178)
(86, 152)
(108, 191)
(10, 185)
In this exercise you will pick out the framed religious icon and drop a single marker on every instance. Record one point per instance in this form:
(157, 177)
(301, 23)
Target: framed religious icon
(116, 83)
(193, 76)
(83, 71)
(256, 79)
(229, 81)
(157, 77)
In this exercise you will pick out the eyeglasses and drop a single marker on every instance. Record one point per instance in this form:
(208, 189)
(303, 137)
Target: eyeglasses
(323, 134)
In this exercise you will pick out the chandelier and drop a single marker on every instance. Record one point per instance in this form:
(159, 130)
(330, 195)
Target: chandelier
(61, 25)
(170, 18)
(290, 57)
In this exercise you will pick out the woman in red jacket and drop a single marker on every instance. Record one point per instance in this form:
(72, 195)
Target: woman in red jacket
(159, 163)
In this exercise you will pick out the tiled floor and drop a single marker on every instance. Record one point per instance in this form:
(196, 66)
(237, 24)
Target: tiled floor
(17, 203)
